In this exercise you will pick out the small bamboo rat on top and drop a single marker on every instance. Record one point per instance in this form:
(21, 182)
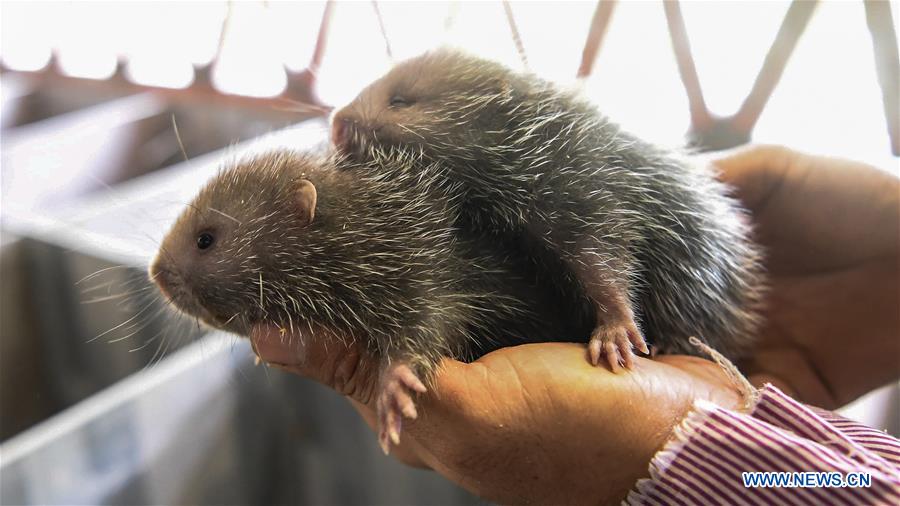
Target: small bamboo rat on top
(303, 242)
(647, 236)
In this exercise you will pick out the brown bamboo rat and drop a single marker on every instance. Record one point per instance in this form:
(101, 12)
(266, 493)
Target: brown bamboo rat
(652, 240)
(305, 241)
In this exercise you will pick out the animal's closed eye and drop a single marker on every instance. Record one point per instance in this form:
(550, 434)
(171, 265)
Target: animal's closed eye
(399, 101)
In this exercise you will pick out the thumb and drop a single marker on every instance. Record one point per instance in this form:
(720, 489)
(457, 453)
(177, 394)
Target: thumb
(336, 361)
(755, 171)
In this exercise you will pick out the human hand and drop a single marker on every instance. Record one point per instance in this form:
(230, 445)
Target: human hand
(533, 423)
(830, 229)
(832, 335)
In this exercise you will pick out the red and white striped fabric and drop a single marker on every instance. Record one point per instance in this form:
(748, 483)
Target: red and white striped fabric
(712, 448)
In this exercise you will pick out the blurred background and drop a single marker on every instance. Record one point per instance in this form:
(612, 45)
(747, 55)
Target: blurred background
(115, 113)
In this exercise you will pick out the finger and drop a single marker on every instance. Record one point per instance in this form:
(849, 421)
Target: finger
(341, 364)
(755, 172)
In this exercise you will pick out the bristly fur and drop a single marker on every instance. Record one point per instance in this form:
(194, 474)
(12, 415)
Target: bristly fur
(378, 262)
(524, 160)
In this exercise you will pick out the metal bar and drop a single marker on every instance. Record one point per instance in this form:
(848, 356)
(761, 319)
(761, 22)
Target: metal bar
(223, 30)
(277, 107)
(887, 64)
(387, 42)
(700, 117)
(300, 92)
(795, 21)
(452, 12)
(514, 29)
(599, 24)
(321, 38)
(203, 73)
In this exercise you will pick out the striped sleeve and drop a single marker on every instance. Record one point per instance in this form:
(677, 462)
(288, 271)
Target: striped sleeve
(809, 456)
(874, 440)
